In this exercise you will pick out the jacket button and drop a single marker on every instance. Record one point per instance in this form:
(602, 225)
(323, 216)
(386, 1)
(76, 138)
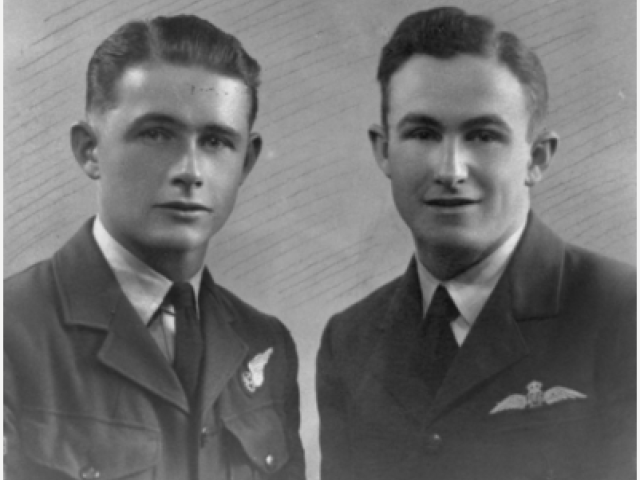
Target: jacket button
(89, 473)
(270, 462)
(204, 436)
(549, 474)
(434, 443)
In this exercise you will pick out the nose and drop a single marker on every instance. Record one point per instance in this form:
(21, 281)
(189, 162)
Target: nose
(451, 169)
(189, 168)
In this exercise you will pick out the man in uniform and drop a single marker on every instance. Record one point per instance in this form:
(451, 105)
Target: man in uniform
(123, 357)
(503, 352)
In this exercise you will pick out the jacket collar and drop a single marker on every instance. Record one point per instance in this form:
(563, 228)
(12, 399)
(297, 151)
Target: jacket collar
(406, 302)
(533, 277)
(87, 286)
(535, 271)
(225, 348)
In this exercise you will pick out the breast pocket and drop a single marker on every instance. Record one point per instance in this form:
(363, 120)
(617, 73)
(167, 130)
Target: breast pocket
(555, 442)
(76, 446)
(261, 434)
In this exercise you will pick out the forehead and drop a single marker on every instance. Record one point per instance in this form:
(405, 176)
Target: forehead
(457, 88)
(191, 93)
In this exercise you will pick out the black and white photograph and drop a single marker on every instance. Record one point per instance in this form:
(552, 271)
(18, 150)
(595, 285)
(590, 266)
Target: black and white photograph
(320, 240)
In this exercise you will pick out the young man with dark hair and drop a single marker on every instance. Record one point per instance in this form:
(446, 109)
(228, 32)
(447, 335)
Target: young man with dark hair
(123, 358)
(502, 352)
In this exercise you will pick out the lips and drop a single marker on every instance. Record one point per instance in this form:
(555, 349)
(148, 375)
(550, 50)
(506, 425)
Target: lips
(450, 202)
(185, 206)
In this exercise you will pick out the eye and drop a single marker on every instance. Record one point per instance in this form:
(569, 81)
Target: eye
(215, 142)
(424, 135)
(155, 135)
(483, 136)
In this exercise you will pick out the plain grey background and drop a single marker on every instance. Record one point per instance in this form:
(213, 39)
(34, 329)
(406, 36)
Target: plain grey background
(315, 227)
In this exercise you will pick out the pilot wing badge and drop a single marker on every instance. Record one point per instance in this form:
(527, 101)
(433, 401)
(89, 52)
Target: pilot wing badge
(253, 376)
(536, 398)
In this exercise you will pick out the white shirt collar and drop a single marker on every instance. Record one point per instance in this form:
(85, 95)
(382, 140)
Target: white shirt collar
(144, 287)
(471, 289)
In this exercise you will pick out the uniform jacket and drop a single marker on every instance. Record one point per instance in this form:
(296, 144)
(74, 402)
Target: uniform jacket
(88, 394)
(558, 317)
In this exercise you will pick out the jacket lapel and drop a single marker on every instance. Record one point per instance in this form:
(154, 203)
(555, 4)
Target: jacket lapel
(389, 361)
(92, 298)
(493, 344)
(225, 349)
(131, 351)
(529, 288)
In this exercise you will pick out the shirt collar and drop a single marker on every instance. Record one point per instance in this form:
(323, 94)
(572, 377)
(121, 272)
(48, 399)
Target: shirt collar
(143, 286)
(471, 289)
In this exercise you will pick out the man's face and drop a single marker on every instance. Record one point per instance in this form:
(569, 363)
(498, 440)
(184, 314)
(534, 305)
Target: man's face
(457, 153)
(169, 158)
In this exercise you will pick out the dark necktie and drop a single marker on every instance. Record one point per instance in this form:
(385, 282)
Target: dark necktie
(189, 345)
(441, 344)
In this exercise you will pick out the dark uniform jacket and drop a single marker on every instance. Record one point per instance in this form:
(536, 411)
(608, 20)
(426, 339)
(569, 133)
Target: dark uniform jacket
(542, 388)
(88, 393)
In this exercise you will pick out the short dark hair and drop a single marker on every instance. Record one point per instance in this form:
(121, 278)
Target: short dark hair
(445, 32)
(184, 40)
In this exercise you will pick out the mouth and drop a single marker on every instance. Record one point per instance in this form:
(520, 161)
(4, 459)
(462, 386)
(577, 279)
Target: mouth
(186, 207)
(450, 202)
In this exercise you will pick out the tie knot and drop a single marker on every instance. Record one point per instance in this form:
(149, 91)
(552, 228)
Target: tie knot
(181, 295)
(442, 306)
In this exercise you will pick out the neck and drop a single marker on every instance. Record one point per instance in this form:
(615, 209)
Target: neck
(177, 266)
(447, 260)
(445, 263)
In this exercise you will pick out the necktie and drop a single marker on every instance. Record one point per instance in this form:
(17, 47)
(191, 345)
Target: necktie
(441, 344)
(189, 343)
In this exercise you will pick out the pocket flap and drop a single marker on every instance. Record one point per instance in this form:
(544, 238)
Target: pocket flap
(76, 444)
(262, 436)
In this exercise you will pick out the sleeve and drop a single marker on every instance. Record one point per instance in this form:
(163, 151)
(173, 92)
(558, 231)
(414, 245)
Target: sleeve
(12, 457)
(295, 467)
(616, 377)
(331, 394)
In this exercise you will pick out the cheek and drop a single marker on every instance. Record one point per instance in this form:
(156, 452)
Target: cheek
(128, 186)
(502, 170)
(409, 165)
(223, 183)
(136, 167)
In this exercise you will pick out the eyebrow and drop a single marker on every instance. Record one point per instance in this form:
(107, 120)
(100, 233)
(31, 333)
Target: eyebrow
(420, 118)
(480, 121)
(163, 118)
(486, 121)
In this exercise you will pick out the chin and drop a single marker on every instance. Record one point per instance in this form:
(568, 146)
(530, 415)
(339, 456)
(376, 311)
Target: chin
(177, 241)
(451, 239)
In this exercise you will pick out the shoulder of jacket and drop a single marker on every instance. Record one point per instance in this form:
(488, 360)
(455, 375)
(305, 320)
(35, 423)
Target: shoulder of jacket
(30, 288)
(373, 305)
(248, 317)
(606, 273)
(31, 308)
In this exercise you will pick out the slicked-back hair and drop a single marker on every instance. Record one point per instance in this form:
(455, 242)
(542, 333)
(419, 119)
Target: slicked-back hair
(183, 40)
(446, 32)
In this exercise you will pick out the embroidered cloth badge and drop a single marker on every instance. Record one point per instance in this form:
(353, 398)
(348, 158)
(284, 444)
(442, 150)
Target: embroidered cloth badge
(253, 377)
(536, 398)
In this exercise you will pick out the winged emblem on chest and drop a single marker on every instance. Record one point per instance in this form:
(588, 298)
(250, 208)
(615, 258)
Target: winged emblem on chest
(536, 398)
(253, 376)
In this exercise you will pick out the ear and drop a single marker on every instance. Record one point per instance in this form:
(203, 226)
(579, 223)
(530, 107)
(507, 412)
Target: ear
(251, 157)
(543, 149)
(83, 143)
(380, 145)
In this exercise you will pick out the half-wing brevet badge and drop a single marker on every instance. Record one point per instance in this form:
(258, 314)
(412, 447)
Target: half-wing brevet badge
(253, 377)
